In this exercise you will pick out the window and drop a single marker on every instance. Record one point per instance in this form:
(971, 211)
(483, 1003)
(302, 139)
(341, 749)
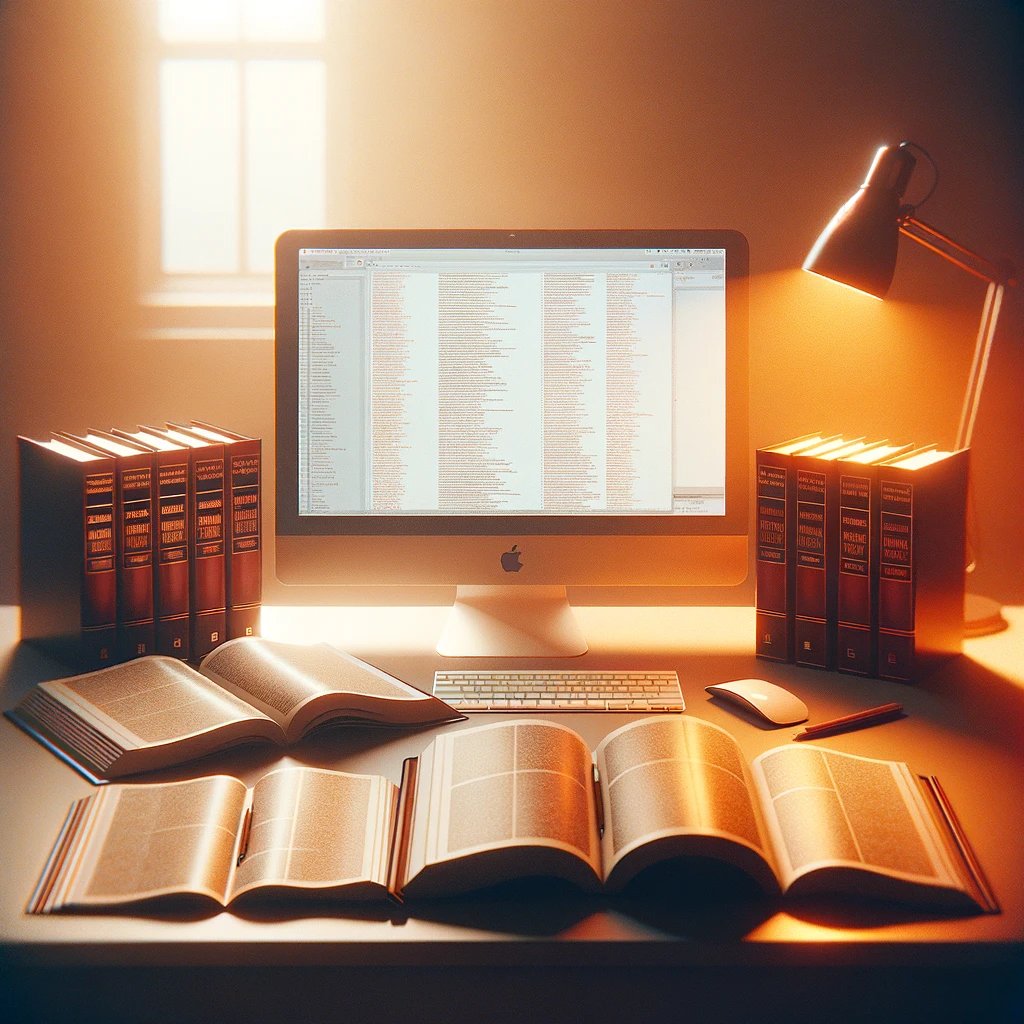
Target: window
(234, 135)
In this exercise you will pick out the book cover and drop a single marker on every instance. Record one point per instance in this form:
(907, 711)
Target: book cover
(68, 551)
(244, 582)
(854, 608)
(856, 559)
(207, 541)
(134, 519)
(776, 526)
(812, 471)
(172, 583)
(922, 501)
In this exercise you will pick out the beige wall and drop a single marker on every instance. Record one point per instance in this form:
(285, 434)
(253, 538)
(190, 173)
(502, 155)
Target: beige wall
(760, 116)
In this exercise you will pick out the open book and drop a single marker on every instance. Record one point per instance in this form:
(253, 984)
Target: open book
(157, 711)
(522, 798)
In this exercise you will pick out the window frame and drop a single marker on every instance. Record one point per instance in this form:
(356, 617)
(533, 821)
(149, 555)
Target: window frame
(210, 306)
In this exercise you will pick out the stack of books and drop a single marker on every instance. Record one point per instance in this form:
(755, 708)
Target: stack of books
(138, 542)
(860, 554)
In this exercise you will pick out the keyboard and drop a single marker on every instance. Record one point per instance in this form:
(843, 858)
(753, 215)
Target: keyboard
(540, 690)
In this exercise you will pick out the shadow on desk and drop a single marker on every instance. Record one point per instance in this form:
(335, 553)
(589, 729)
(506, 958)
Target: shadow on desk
(693, 899)
(988, 704)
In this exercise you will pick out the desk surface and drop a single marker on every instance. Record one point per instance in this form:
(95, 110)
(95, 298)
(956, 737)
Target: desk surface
(964, 723)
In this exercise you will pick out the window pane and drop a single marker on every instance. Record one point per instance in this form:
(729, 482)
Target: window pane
(285, 153)
(200, 21)
(199, 140)
(291, 21)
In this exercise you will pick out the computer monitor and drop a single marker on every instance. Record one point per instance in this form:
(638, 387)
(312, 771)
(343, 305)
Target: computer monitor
(511, 413)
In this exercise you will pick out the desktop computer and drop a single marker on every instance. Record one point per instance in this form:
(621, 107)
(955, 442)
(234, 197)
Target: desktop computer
(511, 413)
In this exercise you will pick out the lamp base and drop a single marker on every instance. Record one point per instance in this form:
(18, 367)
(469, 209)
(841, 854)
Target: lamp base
(982, 616)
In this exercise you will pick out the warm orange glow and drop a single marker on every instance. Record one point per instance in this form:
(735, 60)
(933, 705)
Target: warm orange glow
(843, 284)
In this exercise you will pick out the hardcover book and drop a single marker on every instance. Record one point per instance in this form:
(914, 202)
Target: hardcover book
(68, 551)
(854, 569)
(244, 555)
(173, 588)
(523, 798)
(134, 522)
(814, 512)
(207, 544)
(922, 502)
(776, 541)
(157, 711)
(829, 543)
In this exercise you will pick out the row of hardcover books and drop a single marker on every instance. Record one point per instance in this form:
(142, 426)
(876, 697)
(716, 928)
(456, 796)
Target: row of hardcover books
(860, 554)
(137, 542)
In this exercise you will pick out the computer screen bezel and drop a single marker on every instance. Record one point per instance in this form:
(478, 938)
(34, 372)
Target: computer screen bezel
(289, 523)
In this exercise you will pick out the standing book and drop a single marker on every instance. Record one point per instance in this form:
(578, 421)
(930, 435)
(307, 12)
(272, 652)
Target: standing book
(922, 513)
(134, 522)
(776, 540)
(801, 820)
(208, 620)
(244, 557)
(68, 551)
(173, 586)
(815, 511)
(855, 564)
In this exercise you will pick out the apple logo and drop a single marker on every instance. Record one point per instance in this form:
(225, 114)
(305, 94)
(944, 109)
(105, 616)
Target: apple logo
(511, 560)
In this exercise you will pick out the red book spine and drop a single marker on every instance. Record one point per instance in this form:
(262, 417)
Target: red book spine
(209, 606)
(245, 556)
(172, 576)
(810, 624)
(99, 568)
(855, 647)
(896, 656)
(135, 591)
(774, 543)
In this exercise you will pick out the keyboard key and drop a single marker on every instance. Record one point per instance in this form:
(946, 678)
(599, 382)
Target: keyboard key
(572, 690)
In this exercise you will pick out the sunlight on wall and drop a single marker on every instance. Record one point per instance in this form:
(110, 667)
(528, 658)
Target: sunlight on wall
(242, 131)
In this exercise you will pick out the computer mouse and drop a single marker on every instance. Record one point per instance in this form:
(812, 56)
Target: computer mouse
(773, 703)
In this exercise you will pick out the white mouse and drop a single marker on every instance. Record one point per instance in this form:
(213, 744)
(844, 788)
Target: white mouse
(773, 703)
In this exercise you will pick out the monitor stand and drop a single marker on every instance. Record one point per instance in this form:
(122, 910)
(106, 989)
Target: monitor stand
(511, 622)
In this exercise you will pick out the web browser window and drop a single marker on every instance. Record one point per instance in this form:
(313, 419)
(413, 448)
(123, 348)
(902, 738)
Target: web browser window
(511, 381)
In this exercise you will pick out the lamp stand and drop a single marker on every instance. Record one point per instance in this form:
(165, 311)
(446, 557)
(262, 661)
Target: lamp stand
(982, 615)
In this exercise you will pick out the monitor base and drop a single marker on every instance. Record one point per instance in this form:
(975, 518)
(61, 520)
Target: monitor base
(511, 622)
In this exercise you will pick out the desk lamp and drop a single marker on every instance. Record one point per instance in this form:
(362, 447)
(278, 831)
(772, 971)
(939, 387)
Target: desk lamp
(858, 248)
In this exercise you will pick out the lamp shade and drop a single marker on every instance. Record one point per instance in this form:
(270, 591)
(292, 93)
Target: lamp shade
(858, 247)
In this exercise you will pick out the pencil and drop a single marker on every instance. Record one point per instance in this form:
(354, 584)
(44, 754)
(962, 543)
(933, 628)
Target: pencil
(855, 721)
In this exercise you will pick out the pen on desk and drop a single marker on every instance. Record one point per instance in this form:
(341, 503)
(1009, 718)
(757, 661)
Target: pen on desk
(243, 842)
(855, 721)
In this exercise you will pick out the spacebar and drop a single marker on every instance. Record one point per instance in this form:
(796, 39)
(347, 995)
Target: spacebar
(591, 704)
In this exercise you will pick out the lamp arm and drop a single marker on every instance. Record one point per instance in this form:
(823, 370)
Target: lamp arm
(979, 364)
(949, 249)
(998, 276)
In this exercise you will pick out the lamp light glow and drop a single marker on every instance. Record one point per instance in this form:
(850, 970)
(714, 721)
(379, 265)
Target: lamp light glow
(858, 249)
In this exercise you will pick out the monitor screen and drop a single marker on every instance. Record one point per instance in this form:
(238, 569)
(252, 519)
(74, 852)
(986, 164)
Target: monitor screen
(511, 408)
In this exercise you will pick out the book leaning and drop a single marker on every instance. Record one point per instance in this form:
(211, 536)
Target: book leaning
(516, 799)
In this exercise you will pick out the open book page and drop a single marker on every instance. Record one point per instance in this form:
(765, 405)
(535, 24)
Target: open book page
(298, 684)
(143, 841)
(512, 798)
(826, 809)
(313, 828)
(140, 704)
(673, 786)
